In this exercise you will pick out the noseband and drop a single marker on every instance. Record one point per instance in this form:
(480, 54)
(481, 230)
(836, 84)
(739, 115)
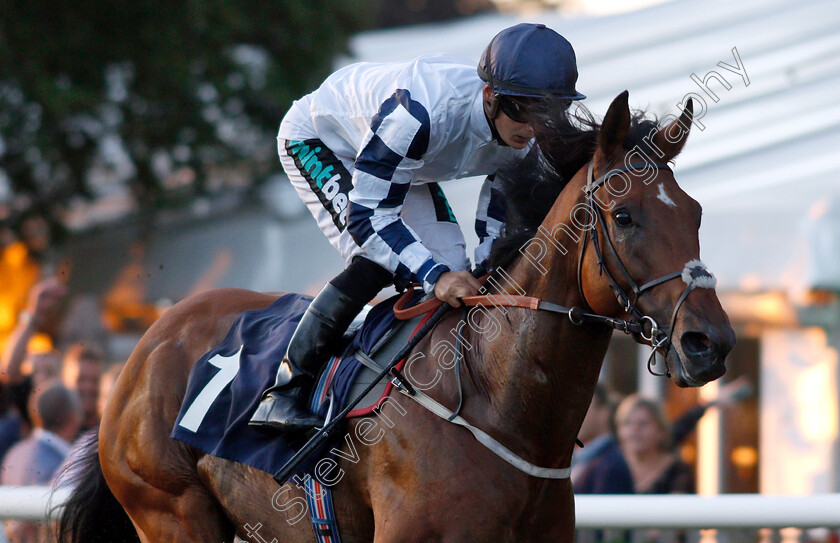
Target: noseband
(694, 273)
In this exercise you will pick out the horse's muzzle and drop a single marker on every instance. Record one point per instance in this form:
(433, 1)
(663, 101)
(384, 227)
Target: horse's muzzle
(703, 355)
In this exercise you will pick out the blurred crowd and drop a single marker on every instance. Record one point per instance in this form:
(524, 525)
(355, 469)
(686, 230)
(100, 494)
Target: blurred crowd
(630, 447)
(49, 398)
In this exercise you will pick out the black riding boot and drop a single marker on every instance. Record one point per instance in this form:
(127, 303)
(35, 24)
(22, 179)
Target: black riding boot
(284, 405)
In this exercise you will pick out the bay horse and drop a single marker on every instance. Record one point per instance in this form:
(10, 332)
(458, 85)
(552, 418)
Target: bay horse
(527, 384)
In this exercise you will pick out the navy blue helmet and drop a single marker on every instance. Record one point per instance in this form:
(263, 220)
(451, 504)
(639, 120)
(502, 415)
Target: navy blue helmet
(530, 60)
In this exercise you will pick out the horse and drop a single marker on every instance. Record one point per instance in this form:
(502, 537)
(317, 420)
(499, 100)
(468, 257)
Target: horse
(614, 220)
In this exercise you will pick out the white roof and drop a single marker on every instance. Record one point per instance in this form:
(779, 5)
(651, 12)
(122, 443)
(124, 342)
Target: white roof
(765, 168)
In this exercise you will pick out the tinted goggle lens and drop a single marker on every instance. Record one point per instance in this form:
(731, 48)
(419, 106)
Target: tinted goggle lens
(513, 109)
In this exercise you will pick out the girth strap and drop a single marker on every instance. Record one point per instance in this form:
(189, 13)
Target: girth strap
(485, 439)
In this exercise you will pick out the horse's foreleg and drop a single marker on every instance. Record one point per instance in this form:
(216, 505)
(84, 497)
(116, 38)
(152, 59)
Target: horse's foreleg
(152, 476)
(161, 491)
(194, 517)
(261, 509)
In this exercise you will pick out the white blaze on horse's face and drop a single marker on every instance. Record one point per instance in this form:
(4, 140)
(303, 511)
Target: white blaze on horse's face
(663, 196)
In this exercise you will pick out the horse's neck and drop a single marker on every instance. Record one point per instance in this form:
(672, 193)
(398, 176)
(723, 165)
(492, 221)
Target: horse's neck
(538, 374)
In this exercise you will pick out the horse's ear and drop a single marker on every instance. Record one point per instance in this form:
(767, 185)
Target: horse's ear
(613, 129)
(671, 139)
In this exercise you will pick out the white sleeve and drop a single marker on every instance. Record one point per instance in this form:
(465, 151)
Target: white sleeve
(489, 219)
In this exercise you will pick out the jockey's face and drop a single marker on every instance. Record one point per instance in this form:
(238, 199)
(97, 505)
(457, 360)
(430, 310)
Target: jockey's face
(515, 133)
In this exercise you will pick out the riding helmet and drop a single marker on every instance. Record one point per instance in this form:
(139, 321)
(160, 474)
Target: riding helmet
(530, 60)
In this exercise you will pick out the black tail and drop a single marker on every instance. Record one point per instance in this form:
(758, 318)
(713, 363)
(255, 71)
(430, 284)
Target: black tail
(91, 514)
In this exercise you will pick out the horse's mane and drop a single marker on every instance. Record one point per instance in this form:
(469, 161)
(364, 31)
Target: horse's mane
(566, 139)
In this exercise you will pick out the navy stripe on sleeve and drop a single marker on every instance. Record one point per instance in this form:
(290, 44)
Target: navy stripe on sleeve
(402, 97)
(396, 195)
(420, 144)
(359, 223)
(497, 208)
(481, 229)
(430, 271)
(378, 159)
(387, 107)
(397, 236)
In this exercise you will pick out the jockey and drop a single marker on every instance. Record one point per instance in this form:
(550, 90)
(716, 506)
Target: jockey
(365, 152)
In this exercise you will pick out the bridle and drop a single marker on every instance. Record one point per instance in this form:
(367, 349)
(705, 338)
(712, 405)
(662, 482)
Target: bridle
(694, 272)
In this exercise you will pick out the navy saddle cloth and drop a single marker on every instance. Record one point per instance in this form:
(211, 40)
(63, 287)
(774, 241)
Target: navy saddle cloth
(225, 386)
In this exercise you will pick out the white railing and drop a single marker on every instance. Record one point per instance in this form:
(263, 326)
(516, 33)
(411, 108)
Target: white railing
(724, 511)
(28, 502)
(731, 511)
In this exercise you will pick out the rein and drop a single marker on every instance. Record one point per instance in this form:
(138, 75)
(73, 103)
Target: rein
(576, 315)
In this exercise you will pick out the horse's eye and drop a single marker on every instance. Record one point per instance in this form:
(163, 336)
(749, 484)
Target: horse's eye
(622, 218)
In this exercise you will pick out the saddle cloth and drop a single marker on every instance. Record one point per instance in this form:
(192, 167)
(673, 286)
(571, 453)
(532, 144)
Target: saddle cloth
(225, 385)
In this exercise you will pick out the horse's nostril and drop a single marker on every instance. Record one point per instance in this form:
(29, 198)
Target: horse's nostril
(696, 344)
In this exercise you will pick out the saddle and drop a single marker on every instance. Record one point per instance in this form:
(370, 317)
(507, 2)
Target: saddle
(225, 385)
(372, 340)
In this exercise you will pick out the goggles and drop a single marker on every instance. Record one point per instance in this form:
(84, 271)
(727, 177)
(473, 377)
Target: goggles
(517, 111)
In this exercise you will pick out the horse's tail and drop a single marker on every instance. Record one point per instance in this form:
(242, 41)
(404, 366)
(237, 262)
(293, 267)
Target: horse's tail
(91, 513)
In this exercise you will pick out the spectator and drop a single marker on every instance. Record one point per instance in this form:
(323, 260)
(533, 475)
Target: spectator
(40, 368)
(11, 424)
(645, 438)
(57, 415)
(649, 445)
(20, 370)
(43, 301)
(600, 468)
(82, 371)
